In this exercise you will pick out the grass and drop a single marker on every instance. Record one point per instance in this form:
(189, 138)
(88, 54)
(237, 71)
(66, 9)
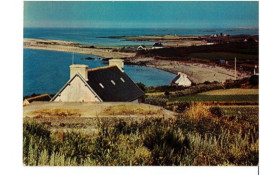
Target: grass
(234, 91)
(221, 98)
(222, 55)
(131, 110)
(240, 111)
(57, 112)
(198, 137)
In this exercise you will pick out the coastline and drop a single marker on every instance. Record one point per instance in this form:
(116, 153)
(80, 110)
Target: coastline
(66, 46)
(197, 72)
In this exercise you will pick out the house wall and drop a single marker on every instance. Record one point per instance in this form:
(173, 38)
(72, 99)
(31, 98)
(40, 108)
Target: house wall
(76, 92)
(26, 102)
(183, 82)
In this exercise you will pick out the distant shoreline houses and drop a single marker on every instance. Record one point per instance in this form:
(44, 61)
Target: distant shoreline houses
(181, 80)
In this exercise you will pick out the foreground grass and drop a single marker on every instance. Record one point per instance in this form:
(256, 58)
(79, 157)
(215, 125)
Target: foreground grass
(201, 136)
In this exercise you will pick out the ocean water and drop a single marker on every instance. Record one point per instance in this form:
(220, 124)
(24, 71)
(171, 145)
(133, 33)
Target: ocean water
(47, 71)
(92, 35)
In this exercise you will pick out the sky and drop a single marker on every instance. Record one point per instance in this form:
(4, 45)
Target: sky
(143, 14)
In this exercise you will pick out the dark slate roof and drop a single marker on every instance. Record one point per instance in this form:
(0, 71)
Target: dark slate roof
(158, 44)
(176, 78)
(121, 91)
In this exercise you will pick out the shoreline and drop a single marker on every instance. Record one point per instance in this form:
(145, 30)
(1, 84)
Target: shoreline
(66, 46)
(197, 72)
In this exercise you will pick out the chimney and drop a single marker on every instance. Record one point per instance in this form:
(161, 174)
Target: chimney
(79, 68)
(118, 62)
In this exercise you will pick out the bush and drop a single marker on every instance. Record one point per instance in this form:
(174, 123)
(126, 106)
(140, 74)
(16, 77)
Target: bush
(254, 80)
(216, 111)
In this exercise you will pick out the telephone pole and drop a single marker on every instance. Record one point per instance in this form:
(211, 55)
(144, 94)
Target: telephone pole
(235, 68)
(73, 58)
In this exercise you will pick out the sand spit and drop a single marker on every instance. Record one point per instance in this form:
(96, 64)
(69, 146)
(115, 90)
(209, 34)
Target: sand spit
(65, 46)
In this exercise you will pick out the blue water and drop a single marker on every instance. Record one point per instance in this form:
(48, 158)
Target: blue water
(48, 71)
(91, 35)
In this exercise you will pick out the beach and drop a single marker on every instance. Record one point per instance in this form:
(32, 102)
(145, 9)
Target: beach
(197, 72)
(66, 46)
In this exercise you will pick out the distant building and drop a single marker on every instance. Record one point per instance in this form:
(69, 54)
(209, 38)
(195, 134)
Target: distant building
(157, 46)
(205, 42)
(103, 84)
(44, 97)
(141, 47)
(222, 61)
(181, 80)
(256, 70)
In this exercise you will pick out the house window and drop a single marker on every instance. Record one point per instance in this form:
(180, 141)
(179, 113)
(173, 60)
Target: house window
(122, 79)
(101, 85)
(112, 81)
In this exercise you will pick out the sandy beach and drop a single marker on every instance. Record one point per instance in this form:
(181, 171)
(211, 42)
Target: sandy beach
(197, 72)
(65, 46)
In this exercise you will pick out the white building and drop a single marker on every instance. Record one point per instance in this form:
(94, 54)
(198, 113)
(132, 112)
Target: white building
(141, 47)
(109, 83)
(181, 80)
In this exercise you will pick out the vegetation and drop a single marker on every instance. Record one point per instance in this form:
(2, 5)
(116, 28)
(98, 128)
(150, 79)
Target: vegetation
(199, 97)
(216, 56)
(246, 52)
(198, 137)
(233, 91)
(130, 110)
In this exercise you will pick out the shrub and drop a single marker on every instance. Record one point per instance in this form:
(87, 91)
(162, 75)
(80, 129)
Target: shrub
(216, 111)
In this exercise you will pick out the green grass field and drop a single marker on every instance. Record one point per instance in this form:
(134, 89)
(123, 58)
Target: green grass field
(223, 55)
(202, 98)
(233, 91)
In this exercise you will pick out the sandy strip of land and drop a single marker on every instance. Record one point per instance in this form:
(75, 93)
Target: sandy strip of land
(65, 46)
(167, 40)
(197, 72)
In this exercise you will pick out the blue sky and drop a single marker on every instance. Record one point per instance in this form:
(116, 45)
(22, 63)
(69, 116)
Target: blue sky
(141, 14)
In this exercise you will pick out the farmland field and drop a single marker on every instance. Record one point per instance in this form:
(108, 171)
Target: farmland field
(235, 91)
(223, 55)
(202, 98)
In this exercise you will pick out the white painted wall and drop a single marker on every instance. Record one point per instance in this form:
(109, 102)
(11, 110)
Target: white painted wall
(183, 81)
(76, 92)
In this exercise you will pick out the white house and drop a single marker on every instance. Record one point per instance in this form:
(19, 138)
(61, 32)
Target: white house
(181, 80)
(256, 70)
(109, 83)
(141, 47)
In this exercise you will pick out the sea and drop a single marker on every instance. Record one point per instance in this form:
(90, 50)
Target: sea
(47, 71)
